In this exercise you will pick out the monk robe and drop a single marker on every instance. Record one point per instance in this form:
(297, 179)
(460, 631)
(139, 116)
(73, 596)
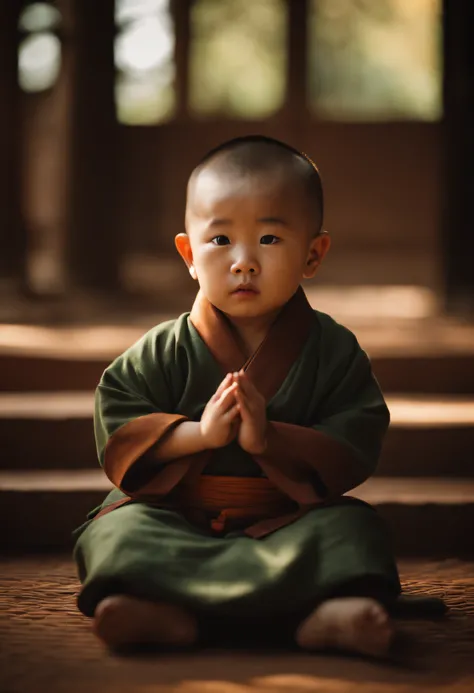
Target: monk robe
(222, 532)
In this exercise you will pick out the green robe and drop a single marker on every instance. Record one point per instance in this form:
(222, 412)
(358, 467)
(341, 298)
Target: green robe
(327, 421)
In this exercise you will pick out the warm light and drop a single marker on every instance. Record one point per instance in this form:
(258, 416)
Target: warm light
(47, 405)
(66, 342)
(296, 683)
(375, 61)
(431, 412)
(39, 60)
(274, 558)
(144, 46)
(131, 10)
(39, 16)
(144, 57)
(246, 40)
(361, 302)
(217, 589)
(410, 411)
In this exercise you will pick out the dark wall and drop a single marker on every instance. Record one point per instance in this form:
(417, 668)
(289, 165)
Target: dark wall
(382, 185)
(381, 180)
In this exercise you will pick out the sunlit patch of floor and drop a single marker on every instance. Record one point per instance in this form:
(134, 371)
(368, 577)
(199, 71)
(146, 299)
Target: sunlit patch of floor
(386, 320)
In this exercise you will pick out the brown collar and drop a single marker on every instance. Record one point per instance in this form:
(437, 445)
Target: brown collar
(270, 363)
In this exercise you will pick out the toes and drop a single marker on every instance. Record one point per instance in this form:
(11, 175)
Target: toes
(378, 615)
(370, 613)
(360, 625)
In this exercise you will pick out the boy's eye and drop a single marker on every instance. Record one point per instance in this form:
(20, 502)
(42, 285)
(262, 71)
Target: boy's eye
(269, 239)
(220, 240)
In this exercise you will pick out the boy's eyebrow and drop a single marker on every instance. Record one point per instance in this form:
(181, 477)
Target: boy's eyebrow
(277, 221)
(220, 222)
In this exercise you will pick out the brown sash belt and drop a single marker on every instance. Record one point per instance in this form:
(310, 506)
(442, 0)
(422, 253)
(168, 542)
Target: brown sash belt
(231, 498)
(228, 497)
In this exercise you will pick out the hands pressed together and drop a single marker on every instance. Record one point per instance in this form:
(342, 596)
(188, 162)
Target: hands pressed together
(236, 410)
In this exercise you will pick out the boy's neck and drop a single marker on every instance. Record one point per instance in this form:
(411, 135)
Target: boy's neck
(251, 332)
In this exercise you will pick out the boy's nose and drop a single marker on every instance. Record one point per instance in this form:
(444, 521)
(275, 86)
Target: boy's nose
(245, 262)
(243, 266)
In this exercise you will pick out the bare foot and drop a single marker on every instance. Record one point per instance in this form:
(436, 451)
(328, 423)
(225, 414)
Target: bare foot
(122, 620)
(348, 623)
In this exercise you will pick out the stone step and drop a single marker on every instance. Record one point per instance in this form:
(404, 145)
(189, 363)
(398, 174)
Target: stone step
(442, 373)
(428, 516)
(54, 430)
(425, 352)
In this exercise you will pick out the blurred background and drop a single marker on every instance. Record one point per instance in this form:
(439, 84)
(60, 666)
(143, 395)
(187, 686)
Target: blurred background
(105, 107)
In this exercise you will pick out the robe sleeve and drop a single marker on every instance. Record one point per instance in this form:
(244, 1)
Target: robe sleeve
(133, 412)
(341, 446)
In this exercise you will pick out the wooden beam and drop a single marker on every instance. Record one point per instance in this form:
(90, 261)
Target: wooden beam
(297, 57)
(181, 11)
(93, 243)
(13, 242)
(458, 152)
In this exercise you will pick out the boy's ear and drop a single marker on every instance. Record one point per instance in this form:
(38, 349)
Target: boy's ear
(183, 247)
(318, 249)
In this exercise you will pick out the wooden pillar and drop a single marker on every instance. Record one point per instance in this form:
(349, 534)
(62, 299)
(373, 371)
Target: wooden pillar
(458, 151)
(93, 244)
(297, 61)
(181, 11)
(13, 243)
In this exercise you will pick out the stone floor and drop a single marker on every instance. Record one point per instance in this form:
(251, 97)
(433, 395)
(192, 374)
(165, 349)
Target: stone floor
(47, 645)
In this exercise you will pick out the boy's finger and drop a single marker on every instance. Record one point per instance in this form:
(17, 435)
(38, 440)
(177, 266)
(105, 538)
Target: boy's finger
(246, 385)
(227, 396)
(232, 413)
(245, 400)
(242, 400)
(227, 380)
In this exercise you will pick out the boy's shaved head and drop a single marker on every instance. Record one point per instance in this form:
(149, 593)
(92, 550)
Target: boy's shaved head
(259, 155)
(254, 213)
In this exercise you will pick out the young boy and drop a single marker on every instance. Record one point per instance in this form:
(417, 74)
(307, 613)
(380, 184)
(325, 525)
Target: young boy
(232, 433)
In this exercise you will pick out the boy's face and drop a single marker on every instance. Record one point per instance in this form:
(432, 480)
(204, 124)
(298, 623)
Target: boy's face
(251, 230)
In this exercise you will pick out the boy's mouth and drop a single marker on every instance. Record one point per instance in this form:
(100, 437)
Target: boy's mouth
(246, 289)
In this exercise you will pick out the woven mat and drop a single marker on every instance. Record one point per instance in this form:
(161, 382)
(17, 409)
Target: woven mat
(47, 645)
